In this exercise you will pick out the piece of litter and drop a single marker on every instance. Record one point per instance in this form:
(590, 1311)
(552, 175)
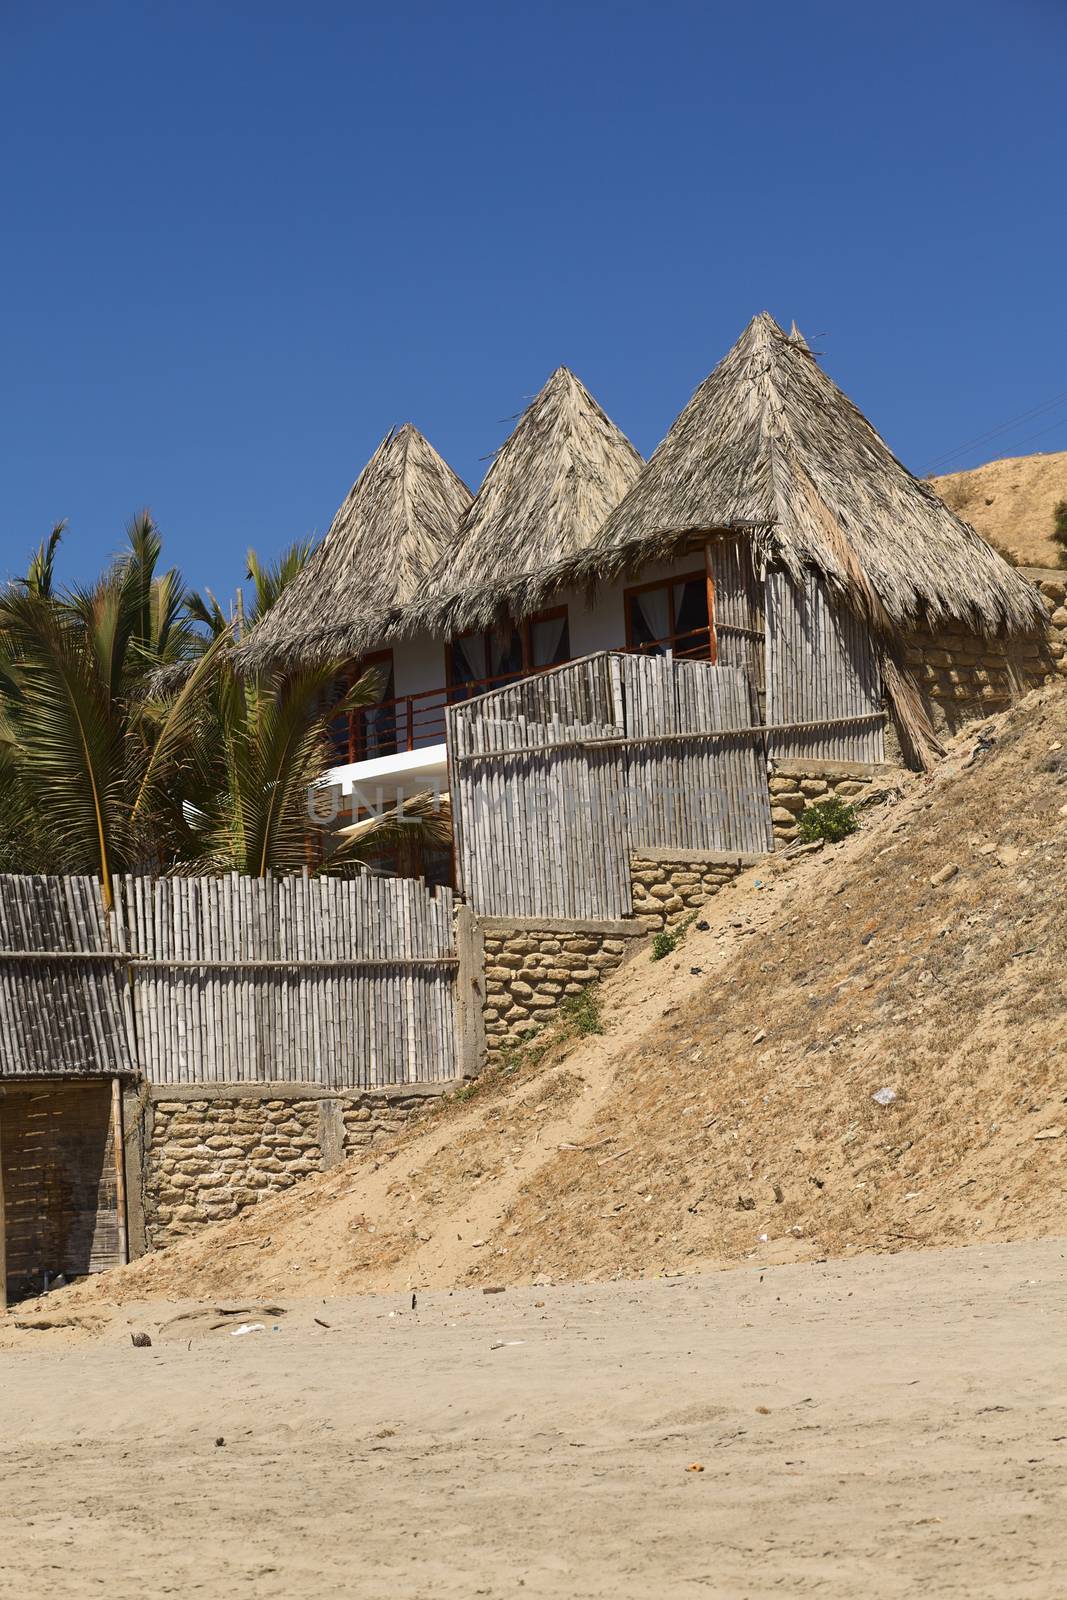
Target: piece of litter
(944, 875)
(763, 1238)
(248, 1327)
(493, 1289)
(695, 1466)
(503, 1344)
(884, 1097)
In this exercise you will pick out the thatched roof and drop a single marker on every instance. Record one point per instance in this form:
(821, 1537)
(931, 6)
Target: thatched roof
(551, 485)
(770, 446)
(402, 511)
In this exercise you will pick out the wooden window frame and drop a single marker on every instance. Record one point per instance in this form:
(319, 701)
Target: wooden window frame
(697, 576)
(525, 632)
(374, 658)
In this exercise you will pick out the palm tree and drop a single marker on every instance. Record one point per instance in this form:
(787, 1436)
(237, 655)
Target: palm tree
(92, 765)
(130, 742)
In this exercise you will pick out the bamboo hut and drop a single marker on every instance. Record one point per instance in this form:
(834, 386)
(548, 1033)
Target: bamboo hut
(403, 510)
(770, 448)
(771, 456)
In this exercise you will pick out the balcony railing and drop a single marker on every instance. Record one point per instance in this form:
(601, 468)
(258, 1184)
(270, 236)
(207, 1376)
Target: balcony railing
(415, 721)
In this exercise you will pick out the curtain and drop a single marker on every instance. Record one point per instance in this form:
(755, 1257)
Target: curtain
(654, 608)
(549, 642)
(468, 658)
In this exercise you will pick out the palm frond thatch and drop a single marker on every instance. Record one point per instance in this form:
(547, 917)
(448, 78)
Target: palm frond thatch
(556, 477)
(770, 447)
(401, 512)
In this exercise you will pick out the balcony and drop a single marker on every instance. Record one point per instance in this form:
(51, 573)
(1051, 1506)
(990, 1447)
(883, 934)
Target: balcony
(400, 743)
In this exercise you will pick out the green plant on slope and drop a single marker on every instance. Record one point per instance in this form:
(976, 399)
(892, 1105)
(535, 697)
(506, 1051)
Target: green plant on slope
(833, 819)
(580, 1013)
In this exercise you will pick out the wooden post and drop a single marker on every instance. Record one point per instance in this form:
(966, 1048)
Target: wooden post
(470, 995)
(713, 643)
(119, 1152)
(3, 1226)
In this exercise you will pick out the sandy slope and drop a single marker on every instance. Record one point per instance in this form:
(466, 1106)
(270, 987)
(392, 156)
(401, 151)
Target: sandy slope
(884, 1426)
(1011, 502)
(726, 1113)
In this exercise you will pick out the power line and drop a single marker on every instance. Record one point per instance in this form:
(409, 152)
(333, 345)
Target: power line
(1004, 427)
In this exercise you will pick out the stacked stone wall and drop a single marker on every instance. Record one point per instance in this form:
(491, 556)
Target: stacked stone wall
(963, 676)
(669, 885)
(532, 967)
(1052, 587)
(794, 785)
(209, 1155)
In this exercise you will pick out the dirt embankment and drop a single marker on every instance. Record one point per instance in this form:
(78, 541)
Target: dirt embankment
(726, 1113)
(1012, 503)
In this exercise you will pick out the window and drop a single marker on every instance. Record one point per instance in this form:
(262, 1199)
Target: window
(669, 616)
(482, 660)
(368, 731)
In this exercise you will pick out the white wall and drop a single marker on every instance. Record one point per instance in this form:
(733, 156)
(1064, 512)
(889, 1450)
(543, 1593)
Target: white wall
(602, 626)
(420, 662)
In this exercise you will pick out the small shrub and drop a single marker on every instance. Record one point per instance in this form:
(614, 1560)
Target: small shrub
(664, 944)
(831, 819)
(1059, 530)
(580, 1013)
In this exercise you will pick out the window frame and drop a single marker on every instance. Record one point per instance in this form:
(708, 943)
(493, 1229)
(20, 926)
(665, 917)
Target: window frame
(699, 575)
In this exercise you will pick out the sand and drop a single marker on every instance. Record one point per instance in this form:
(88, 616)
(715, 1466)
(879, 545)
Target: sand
(1012, 502)
(885, 1426)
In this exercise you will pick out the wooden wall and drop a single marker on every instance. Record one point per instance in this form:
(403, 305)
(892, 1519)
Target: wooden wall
(59, 1185)
(343, 983)
(821, 667)
(555, 780)
(62, 1007)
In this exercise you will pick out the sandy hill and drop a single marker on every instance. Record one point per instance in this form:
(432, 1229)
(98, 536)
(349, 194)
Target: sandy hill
(1011, 503)
(726, 1112)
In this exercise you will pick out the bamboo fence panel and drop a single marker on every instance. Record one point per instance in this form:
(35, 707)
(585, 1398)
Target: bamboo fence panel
(548, 803)
(343, 983)
(62, 988)
(821, 667)
(340, 983)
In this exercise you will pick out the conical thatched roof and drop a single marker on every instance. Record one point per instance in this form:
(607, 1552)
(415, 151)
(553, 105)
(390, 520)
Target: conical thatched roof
(551, 485)
(402, 511)
(768, 441)
(771, 447)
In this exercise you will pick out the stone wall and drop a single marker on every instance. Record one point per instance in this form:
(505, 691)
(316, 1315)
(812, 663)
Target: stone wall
(962, 676)
(209, 1151)
(796, 784)
(670, 884)
(1052, 587)
(532, 966)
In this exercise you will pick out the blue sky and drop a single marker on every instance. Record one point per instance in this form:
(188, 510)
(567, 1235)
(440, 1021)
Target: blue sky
(240, 241)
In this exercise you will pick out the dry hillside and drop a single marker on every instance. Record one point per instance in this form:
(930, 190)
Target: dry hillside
(726, 1112)
(1011, 503)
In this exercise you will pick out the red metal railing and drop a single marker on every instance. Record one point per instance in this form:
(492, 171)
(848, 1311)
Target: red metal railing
(413, 721)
